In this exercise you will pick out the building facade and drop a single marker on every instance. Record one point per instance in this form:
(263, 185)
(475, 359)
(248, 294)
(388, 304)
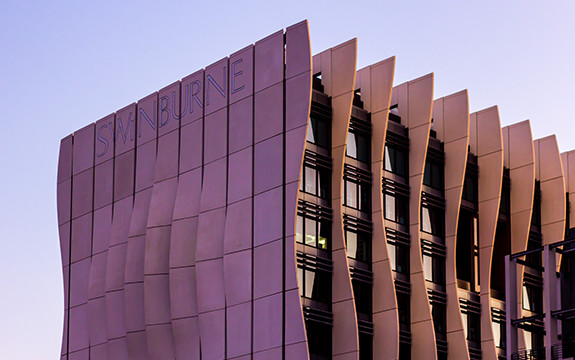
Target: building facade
(276, 205)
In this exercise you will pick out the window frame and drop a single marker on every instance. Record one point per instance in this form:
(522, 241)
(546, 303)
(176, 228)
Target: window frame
(321, 225)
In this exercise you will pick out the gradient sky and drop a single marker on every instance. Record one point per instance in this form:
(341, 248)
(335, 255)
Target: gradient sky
(65, 64)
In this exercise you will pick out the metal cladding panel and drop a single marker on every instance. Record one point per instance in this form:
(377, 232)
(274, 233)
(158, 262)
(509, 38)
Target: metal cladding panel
(192, 90)
(169, 113)
(485, 139)
(451, 121)
(104, 141)
(415, 106)
(375, 84)
(160, 227)
(519, 157)
(125, 130)
(549, 171)
(83, 149)
(65, 159)
(104, 184)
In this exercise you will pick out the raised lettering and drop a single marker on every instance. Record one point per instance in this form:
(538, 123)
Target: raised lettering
(121, 128)
(194, 95)
(234, 75)
(164, 109)
(174, 111)
(151, 122)
(215, 84)
(103, 140)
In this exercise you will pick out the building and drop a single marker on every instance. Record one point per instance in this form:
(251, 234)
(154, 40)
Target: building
(276, 205)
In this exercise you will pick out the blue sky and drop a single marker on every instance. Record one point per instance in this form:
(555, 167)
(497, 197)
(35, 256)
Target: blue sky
(64, 64)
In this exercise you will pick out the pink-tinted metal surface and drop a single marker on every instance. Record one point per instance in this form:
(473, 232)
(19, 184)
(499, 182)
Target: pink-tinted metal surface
(297, 110)
(103, 184)
(83, 150)
(169, 112)
(210, 235)
(125, 129)
(157, 239)
(135, 252)
(237, 236)
(156, 268)
(269, 61)
(192, 91)
(157, 248)
(216, 91)
(104, 141)
(375, 83)
(114, 278)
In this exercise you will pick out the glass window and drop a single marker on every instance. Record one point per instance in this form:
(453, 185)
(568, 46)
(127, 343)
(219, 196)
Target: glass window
(314, 284)
(318, 131)
(357, 147)
(396, 208)
(399, 258)
(433, 175)
(433, 269)
(358, 246)
(403, 308)
(395, 160)
(473, 328)
(357, 195)
(318, 339)
(315, 181)
(351, 149)
(299, 229)
(467, 250)
(312, 232)
(439, 320)
(428, 267)
(351, 194)
(470, 188)
(362, 296)
(389, 207)
(365, 346)
(499, 334)
(310, 180)
(532, 298)
(432, 220)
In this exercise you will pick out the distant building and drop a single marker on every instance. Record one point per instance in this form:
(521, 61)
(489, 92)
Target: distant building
(279, 206)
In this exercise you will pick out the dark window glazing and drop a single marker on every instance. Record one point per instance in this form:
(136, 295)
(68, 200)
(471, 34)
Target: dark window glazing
(314, 284)
(358, 147)
(433, 175)
(404, 311)
(396, 208)
(532, 298)
(395, 160)
(365, 346)
(315, 181)
(439, 320)
(467, 250)
(498, 327)
(470, 188)
(434, 268)
(319, 340)
(362, 296)
(358, 246)
(318, 131)
(399, 257)
(432, 220)
(356, 195)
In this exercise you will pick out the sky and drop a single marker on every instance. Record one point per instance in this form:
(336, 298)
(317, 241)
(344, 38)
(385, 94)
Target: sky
(65, 64)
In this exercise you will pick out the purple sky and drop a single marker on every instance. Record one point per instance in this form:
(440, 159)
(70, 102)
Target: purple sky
(64, 64)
